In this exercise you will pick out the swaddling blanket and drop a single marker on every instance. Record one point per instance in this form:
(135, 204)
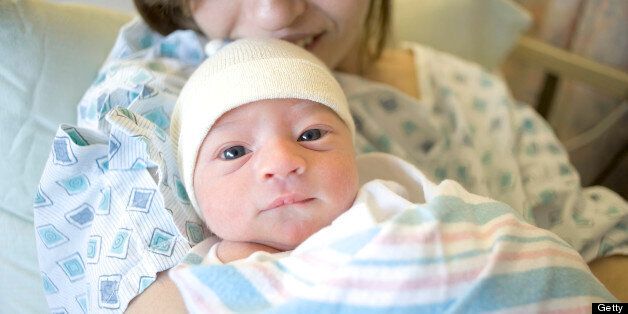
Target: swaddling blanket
(450, 252)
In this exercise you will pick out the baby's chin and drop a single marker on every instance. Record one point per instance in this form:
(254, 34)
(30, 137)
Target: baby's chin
(289, 237)
(289, 240)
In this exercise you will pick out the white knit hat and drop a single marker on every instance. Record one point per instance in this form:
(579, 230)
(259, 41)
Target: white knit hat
(242, 72)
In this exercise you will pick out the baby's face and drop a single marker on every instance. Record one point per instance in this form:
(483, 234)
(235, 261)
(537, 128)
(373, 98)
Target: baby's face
(275, 171)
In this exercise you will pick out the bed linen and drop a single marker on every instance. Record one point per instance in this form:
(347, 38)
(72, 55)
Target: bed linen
(448, 252)
(40, 85)
(465, 127)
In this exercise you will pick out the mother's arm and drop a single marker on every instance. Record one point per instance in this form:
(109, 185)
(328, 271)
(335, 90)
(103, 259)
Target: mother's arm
(161, 294)
(612, 271)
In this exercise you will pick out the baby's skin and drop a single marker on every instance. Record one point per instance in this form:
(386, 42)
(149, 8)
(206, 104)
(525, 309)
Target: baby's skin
(271, 173)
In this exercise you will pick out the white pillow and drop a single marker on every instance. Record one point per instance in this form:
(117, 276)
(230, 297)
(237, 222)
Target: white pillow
(482, 31)
(49, 56)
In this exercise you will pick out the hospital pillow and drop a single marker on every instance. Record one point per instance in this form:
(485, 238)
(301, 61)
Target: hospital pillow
(50, 54)
(479, 31)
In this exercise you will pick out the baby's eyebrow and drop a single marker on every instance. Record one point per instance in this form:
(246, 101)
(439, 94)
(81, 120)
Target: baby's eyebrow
(309, 108)
(222, 126)
(304, 106)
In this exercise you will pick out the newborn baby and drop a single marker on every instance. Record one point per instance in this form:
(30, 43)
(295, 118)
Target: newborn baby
(264, 140)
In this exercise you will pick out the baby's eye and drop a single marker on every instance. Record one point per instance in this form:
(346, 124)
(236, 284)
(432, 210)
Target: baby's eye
(311, 135)
(233, 152)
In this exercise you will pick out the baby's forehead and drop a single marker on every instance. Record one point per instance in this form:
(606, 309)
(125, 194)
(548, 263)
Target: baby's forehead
(292, 108)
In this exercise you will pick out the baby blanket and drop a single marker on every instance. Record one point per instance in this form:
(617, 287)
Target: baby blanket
(451, 252)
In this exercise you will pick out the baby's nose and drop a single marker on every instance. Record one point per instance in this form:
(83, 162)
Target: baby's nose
(273, 15)
(280, 160)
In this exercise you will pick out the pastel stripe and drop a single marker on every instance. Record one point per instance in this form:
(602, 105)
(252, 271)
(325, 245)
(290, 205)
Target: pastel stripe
(451, 278)
(447, 259)
(507, 290)
(234, 290)
(450, 237)
(450, 209)
(492, 294)
(355, 242)
(305, 306)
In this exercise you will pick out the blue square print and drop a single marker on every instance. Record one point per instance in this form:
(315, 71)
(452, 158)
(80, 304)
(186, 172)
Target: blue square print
(81, 217)
(49, 286)
(75, 184)
(105, 202)
(120, 244)
(81, 299)
(73, 267)
(93, 249)
(145, 281)
(50, 236)
(162, 242)
(108, 291)
(140, 199)
(194, 231)
(41, 199)
(62, 152)
(58, 310)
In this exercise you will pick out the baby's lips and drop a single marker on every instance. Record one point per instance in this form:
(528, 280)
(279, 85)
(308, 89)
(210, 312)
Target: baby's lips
(287, 199)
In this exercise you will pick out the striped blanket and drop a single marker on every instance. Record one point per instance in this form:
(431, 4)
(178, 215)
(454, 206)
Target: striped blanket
(453, 252)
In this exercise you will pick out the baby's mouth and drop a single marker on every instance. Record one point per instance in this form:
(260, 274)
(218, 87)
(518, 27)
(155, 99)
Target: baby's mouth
(288, 199)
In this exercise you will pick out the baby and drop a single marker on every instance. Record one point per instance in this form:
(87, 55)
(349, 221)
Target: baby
(264, 140)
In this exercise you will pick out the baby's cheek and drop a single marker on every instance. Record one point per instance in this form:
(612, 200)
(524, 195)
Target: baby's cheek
(343, 179)
(222, 222)
(220, 216)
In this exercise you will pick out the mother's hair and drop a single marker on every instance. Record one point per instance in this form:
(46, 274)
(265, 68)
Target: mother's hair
(167, 16)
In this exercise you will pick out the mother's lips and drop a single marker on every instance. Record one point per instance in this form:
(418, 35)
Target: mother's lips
(306, 41)
(288, 199)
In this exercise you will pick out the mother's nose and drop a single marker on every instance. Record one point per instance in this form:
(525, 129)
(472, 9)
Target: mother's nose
(273, 15)
(279, 160)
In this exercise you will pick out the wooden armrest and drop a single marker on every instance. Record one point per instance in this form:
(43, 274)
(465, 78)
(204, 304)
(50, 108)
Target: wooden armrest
(568, 65)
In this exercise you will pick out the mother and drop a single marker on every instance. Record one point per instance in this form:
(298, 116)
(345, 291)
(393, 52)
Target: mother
(348, 36)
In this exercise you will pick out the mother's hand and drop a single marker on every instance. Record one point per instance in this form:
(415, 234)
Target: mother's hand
(162, 296)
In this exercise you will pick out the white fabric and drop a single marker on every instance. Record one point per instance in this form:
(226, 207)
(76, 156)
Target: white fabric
(241, 72)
